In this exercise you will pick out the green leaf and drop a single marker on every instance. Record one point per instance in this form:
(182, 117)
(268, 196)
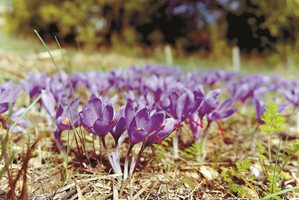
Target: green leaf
(243, 166)
(274, 121)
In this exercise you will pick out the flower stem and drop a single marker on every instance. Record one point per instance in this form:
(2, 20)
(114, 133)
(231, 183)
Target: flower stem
(126, 166)
(108, 154)
(137, 159)
(275, 166)
(269, 148)
(201, 156)
(175, 145)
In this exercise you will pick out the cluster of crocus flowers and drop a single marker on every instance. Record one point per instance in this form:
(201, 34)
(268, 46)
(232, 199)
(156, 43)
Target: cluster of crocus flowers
(139, 126)
(141, 106)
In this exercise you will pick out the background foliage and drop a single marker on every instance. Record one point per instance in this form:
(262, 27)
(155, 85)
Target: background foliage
(187, 25)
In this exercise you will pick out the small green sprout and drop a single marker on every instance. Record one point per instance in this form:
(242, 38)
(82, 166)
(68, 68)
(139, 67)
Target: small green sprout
(274, 121)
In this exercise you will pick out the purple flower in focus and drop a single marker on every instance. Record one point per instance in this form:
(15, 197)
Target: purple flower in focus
(143, 124)
(167, 128)
(120, 126)
(97, 117)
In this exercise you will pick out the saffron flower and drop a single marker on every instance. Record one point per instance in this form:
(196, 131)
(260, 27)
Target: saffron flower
(144, 124)
(97, 117)
(8, 95)
(120, 126)
(66, 118)
(222, 111)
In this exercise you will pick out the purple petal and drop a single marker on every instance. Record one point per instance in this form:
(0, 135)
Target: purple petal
(155, 121)
(226, 104)
(48, 102)
(119, 129)
(101, 128)
(142, 118)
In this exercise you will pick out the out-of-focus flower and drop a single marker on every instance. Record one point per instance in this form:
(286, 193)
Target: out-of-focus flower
(8, 95)
(48, 102)
(222, 111)
(292, 95)
(66, 118)
(35, 84)
(210, 102)
(22, 123)
(182, 106)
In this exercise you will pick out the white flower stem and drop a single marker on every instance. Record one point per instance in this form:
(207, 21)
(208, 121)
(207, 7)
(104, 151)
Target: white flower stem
(126, 166)
(201, 156)
(175, 145)
(108, 154)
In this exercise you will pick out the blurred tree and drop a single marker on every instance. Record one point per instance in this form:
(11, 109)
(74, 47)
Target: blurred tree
(189, 25)
(282, 20)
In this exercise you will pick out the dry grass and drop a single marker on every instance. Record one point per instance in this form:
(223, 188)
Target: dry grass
(167, 179)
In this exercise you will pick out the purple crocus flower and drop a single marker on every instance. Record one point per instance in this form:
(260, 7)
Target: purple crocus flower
(7, 99)
(167, 128)
(292, 95)
(8, 95)
(143, 124)
(212, 77)
(209, 103)
(36, 83)
(246, 86)
(149, 128)
(23, 123)
(213, 111)
(131, 110)
(222, 111)
(195, 125)
(60, 86)
(259, 110)
(48, 102)
(182, 106)
(120, 126)
(97, 117)
(66, 118)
